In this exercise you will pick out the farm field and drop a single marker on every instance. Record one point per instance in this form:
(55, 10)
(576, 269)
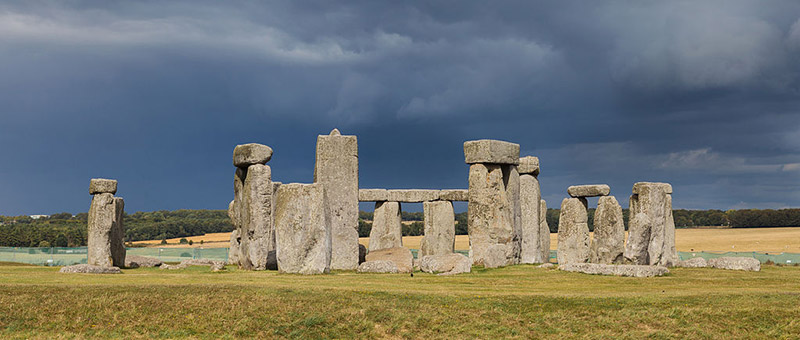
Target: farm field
(513, 302)
(739, 239)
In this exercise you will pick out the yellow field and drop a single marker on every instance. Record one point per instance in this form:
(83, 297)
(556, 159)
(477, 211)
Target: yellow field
(785, 240)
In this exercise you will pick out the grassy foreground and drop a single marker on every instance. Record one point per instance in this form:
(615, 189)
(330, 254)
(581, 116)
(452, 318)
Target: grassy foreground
(513, 302)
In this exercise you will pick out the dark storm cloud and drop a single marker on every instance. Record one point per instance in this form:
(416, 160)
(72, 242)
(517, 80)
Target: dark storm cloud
(703, 95)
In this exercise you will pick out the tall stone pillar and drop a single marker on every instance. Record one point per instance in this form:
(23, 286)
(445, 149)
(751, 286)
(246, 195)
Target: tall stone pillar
(106, 242)
(387, 227)
(303, 229)
(440, 228)
(532, 250)
(252, 215)
(337, 170)
(651, 232)
(544, 233)
(494, 213)
(573, 231)
(608, 242)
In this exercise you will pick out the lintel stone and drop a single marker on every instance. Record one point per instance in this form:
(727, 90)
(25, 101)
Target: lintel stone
(590, 190)
(461, 195)
(413, 195)
(491, 151)
(102, 186)
(245, 155)
(665, 186)
(528, 165)
(373, 195)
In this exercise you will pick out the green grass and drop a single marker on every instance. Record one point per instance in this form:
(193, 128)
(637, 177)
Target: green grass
(513, 302)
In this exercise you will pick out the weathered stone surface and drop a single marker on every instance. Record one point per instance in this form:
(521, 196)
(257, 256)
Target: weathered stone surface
(573, 232)
(401, 257)
(695, 262)
(137, 261)
(652, 200)
(530, 203)
(172, 266)
(234, 248)
(102, 186)
(440, 229)
(245, 155)
(637, 187)
(105, 243)
(608, 243)
(89, 269)
(638, 239)
(201, 262)
(373, 195)
(303, 229)
(460, 195)
(413, 195)
(529, 165)
(362, 254)
(544, 232)
(446, 264)
(257, 233)
(615, 269)
(589, 190)
(735, 263)
(336, 169)
(492, 213)
(670, 253)
(387, 227)
(378, 266)
(546, 265)
(218, 266)
(491, 152)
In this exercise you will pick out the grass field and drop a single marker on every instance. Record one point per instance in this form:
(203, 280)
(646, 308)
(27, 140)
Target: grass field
(512, 302)
(741, 239)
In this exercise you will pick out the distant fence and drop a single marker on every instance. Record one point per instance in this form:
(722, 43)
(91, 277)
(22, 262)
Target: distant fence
(58, 256)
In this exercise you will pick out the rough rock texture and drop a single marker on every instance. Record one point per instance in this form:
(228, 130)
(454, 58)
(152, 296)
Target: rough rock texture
(735, 263)
(589, 190)
(440, 228)
(201, 262)
(373, 195)
(651, 239)
(362, 254)
(491, 152)
(638, 186)
(336, 169)
(102, 186)
(387, 227)
(544, 233)
(446, 264)
(461, 195)
(492, 213)
(413, 195)
(615, 269)
(529, 165)
(401, 257)
(670, 253)
(106, 231)
(89, 269)
(246, 155)
(531, 250)
(695, 262)
(235, 245)
(378, 266)
(303, 230)
(546, 265)
(573, 232)
(137, 261)
(257, 234)
(608, 243)
(218, 266)
(638, 239)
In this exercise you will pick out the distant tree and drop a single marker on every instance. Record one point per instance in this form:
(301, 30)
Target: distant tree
(183, 241)
(190, 242)
(44, 244)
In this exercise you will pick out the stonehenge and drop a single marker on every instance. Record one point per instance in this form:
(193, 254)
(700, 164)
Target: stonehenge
(440, 229)
(387, 229)
(573, 231)
(651, 230)
(616, 270)
(608, 243)
(106, 246)
(303, 229)
(534, 247)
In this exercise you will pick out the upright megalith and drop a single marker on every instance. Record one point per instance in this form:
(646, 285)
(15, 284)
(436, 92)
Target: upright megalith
(440, 229)
(303, 232)
(337, 170)
(532, 247)
(387, 227)
(573, 231)
(494, 213)
(651, 237)
(544, 233)
(608, 243)
(106, 246)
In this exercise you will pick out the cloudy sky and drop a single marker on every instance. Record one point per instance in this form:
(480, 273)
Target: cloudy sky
(704, 95)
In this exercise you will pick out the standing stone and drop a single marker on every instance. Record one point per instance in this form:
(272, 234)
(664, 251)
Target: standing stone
(530, 203)
(440, 229)
(670, 253)
(638, 238)
(337, 169)
(652, 228)
(608, 243)
(544, 233)
(573, 232)
(257, 238)
(303, 229)
(493, 237)
(105, 243)
(387, 227)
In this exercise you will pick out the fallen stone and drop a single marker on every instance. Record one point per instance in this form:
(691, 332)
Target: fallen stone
(401, 257)
(735, 263)
(218, 266)
(615, 269)
(440, 229)
(491, 152)
(303, 230)
(446, 264)
(336, 168)
(413, 195)
(387, 227)
(373, 195)
(106, 233)
(453, 195)
(590, 190)
(494, 235)
(172, 266)
(201, 262)
(378, 266)
(89, 269)
(608, 243)
(245, 155)
(530, 203)
(695, 262)
(529, 165)
(573, 232)
(137, 261)
(102, 186)
(546, 265)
